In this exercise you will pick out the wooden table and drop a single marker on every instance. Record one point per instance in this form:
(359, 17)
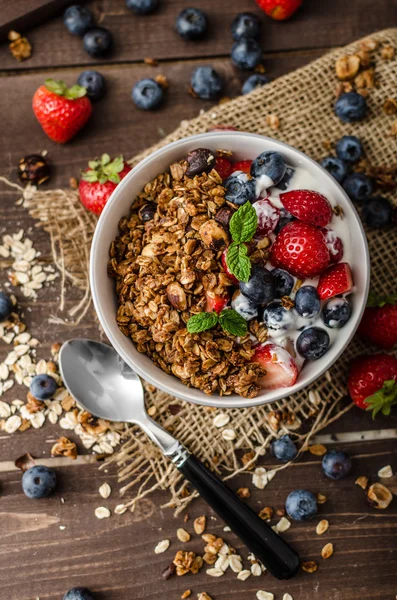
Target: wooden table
(49, 546)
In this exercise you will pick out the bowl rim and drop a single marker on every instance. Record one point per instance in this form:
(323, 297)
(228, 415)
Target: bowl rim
(215, 400)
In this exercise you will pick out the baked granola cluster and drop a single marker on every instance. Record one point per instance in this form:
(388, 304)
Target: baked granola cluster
(166, 267)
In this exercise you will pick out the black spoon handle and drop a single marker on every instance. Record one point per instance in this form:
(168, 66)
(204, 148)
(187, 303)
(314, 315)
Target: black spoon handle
(277, 556)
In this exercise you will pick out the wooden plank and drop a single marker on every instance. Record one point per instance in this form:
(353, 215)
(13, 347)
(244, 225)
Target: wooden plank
(116, 126)
(22, 15)
(315, 25)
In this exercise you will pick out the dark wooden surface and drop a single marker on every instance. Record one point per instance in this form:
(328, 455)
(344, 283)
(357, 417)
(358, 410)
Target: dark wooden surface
(115, 557)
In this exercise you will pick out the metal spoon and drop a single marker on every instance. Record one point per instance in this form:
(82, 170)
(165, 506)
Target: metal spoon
(105, 386)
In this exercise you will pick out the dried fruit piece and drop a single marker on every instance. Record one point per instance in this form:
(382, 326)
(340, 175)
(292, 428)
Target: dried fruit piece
(379, 496)
(34, 169)
(200, 160)
(347, 67)
(327, 551)
(168, 571)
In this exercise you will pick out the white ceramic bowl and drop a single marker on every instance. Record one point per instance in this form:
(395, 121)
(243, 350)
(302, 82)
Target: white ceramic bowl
(243, 146)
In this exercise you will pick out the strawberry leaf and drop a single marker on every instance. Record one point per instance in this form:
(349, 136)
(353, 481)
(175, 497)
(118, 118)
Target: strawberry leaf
(383, 399)
(379, 301)
(75, 92)
(61, 89)
(105, 159)
(114, 178)
(104, 170)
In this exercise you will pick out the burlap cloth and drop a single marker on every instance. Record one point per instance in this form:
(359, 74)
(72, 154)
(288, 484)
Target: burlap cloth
(303, 101)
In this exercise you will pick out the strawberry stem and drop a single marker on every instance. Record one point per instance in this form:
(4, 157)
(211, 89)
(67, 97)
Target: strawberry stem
(383, 399)
(61, 89)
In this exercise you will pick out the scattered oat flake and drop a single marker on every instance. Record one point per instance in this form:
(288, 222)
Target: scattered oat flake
(327, 551)
(256, 570)
(243, 575)
(261, 595)
(186, 594)
(203, 596)
(310, 566)
(221, 420)
(229, 434)
(283, 525)
(321, 499)
(385, 472)
(317, 449)
(200, 524)
(12, 424)
(182, 535)
(322, 527)
(105, 490)
(120, 509)
(215, 572)
(162, 546)
(101, 512)
(287, 597)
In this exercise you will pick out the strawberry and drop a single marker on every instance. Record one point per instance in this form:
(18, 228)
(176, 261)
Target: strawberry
(373, 383)
(309, 207)
(61, 111)
(281, 370)
(223, 166)
(229, 274)
(215, 302)
(300, 248)
(279, 9)
(379, 322)
(243, 165)
(334, 245)
(337, 279)
(100, 180)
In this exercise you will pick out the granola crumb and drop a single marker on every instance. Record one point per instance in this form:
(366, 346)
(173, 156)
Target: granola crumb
(243, 492)
(310, 566)
(390, 106)
(186, 594)
(200, 524)
(321, 498)
(162, 81)
(19, 46)
(64, 447)
(73, 183)
(266, 513)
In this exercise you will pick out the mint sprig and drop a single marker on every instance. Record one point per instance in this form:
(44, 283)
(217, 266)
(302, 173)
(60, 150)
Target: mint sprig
(242, 226)
(229, 320)
(104, 170)
(61, 89)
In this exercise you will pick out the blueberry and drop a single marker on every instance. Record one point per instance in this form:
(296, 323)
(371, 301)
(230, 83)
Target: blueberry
(301, 505)
(285, 218)
(147, 94)
(246, 54)
(5, 306)
(147, 211)
(336, 167)
(43, 387)
(253, 82)
(98, 42)
(276, 317)
(191, 24)
(38, 482)
(78, 593)
(142, 7)
(200, 160)
(260, 287)
(239, 188)
(336, 464)
(78, 19)
(283, 283)
(313, 343)
(284, 449)
(94, 83)
(351, 107)
(245, 25)
(358, 186)
(206, 83)
(307, 302)
(336, 313)
(284, 182)
(270, 165)
(243, 305)
(377, 212)
(349, 148)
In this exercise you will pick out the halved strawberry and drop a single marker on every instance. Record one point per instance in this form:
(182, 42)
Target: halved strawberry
(216, 303)
(308, 206)
(226, 268)
(334, 245)
(223, 166)
(268, 217)
(281, 369)
(300, 249)
(243, 165)
(337, 279)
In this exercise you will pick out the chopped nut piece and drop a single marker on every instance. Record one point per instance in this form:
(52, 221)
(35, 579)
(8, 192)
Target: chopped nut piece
(105, 490)
(162, 546)
(213, 235)
(317, 449)
(321, 499)
(203, 596)
(200, 524)
(283, 525)
(387, 52)
(390, 106)
(379, 496)
(327, 551)
(64, 447)
(186, 594)
(362, 481)
(266, 513)
(385, 472)
(322, 527)
(19, 46)
(347, 67)
(182, 535)
(369, 44)
(177, 296)
(310, 566)
(102, 512)
(25, 462)
(151, 411)
(243, 492)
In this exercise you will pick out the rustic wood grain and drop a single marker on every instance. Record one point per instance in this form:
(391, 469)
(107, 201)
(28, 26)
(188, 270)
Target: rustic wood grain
(114, 557)
(315, 25)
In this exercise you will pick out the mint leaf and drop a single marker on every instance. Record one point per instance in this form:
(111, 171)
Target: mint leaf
(238, 261)
(232, 322)
(201, 322)
(243, 223)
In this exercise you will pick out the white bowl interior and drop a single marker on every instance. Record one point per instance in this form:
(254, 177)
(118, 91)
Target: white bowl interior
(243, 146)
